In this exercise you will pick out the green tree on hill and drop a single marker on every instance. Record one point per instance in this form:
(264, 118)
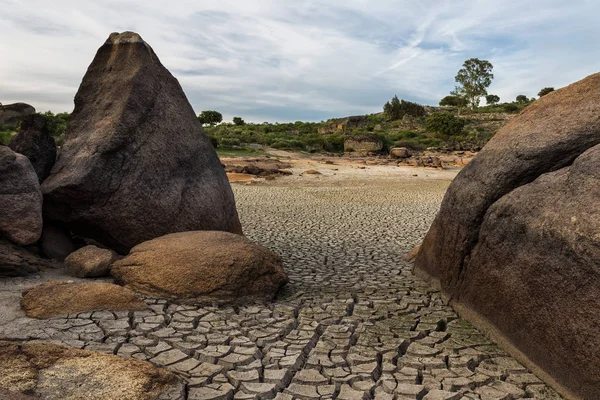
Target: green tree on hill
(210, 117)
(522, 99)
(453, 101)
(238, 121)
(474, 78)
(397, 109)
(492, 99)
(545, 91)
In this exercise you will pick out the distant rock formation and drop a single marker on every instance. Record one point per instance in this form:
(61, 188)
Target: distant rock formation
(135, 163)
(202, 265)
(516, 244)
(34, 142)
(20, 199)
(363, 145)
(12, 114)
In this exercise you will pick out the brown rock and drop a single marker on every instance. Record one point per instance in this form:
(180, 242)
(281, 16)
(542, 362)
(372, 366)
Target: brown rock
(16, 261)
(12, 114)
(135, 163)
(515, 244)
(54, 298)
(90, 262)
(35, 143)
(202, 265)
(363, 145)
(49, 371)
(312, 172)
(20, 199)
(400, 152)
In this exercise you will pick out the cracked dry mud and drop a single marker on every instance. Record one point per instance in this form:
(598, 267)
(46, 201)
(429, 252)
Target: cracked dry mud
(353, 323)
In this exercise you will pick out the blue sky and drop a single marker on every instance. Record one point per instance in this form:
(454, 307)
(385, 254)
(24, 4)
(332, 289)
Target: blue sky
(288, 60)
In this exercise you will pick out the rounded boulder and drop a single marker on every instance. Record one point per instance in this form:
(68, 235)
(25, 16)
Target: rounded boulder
(202, 265)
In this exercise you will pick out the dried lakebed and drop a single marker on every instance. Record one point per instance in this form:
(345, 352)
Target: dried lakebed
(353, 323)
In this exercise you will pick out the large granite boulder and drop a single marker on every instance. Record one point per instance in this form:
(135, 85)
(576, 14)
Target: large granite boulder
(34, 142)
(12, 114)
(48, 371)
(202, 265)
(516, 244)
(54, 298)
(20, 199)
(135, 163)
(17, 261)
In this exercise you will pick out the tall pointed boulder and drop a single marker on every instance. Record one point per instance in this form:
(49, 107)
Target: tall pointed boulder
(135, 163)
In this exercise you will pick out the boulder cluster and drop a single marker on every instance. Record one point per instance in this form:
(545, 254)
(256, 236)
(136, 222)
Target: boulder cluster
(135, 171)
(516, 244)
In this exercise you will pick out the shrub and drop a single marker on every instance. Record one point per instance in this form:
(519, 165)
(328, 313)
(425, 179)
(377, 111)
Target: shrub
(229, 142)
(238, 121)
(510, 107)
(445, 124)
(545, 91)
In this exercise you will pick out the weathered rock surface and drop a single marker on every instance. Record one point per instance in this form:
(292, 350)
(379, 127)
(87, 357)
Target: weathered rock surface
(90, 262)
(399, 152)
(16, 261)
(136, 164)
(20, 199)
(12, 114)
(202, 265)
(516, 242)
(363, 145)
(54, 298)
(34, 142)
(48, 371)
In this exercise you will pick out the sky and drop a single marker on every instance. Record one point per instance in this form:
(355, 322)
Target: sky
(289, 60)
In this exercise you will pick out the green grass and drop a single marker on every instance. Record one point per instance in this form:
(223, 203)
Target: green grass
(243, 152)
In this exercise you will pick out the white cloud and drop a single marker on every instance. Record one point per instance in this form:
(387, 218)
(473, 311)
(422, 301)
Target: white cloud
(291, 59)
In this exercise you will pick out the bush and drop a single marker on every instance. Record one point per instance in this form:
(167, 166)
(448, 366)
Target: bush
(411, 109)
(229, 142)
(238, 121)
(6, 133)
(510, 107)
(445, 124)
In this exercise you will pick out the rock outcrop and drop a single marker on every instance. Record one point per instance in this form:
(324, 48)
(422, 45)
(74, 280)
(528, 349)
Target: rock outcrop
(54, 298)
(202, 265)
(363, 145)
(516, 244)
(12, 114)
(135, 163)
(20, 199)
(48, 371)
(90, 262)
(34, 142)
(17, 261)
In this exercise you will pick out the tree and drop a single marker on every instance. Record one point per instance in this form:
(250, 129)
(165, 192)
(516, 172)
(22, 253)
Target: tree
(545, 91)
(210, 117)
(238, 121)
(453, 101)
(522, 99)
(445, 124)
(474, 78)
(397, 109)
(492, 99)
